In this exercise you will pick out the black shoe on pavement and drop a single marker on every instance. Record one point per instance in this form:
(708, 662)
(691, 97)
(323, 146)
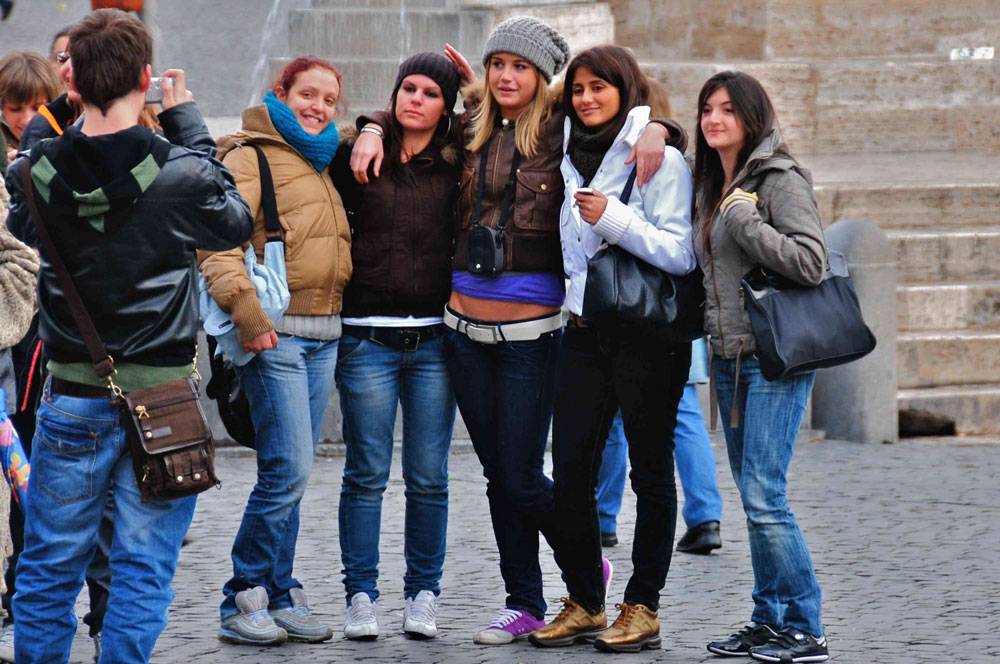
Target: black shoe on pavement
(609, 539)
(701, 539)
(791, 645)
(739, 644)
(5, 7)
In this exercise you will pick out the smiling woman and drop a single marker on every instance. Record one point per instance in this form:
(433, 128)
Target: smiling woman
(289, 379)
(27, 82)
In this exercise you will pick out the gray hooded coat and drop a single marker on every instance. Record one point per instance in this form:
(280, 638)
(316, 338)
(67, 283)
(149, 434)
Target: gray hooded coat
(783, 233)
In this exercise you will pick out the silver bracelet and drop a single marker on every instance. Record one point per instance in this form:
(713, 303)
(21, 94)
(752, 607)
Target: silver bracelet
(368, 129)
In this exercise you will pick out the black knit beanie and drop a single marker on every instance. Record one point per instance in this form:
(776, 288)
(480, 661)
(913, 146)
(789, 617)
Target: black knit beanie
(436, 67)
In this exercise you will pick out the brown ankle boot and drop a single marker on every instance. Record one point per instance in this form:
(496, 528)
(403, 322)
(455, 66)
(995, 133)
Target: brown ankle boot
(573, 624)
(635, 628)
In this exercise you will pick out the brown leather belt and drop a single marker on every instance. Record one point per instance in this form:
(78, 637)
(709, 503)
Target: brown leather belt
(68, 388)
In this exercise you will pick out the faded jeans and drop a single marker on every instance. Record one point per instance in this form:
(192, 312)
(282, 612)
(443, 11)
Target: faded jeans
(786, 593)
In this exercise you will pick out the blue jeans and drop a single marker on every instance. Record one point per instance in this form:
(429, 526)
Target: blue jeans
(504, 392)
(372, 380)
(786, 593)
(695, 467)
(79, 455)
(288, 388)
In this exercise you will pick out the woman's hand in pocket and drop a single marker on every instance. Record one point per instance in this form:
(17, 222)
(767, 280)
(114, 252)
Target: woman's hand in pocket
(259, 344)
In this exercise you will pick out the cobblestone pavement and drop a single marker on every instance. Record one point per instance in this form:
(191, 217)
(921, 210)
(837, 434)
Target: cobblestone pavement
(905, 538)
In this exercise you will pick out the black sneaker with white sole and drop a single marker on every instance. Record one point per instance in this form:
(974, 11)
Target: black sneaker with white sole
(791, 645)
(739, 644)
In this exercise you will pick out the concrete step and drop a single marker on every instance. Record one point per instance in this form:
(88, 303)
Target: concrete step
(382, 4)
(767, 29)
(930, 190)
(939, 358)
(870, 105)
(947, 256)
(975, 409)
(973, 306)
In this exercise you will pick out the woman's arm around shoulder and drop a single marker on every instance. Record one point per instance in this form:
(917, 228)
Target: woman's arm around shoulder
(658, 230)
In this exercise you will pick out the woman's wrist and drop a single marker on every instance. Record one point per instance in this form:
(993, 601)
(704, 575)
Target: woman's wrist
(372, 128)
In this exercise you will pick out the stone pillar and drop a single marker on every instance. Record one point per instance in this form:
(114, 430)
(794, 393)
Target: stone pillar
(857, 401)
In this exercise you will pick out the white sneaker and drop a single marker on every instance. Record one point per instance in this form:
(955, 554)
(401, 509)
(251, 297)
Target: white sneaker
(362, 619)
(7, 644)
(420, 616)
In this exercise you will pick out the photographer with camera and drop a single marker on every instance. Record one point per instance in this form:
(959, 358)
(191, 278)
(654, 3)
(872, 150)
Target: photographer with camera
(126, 211)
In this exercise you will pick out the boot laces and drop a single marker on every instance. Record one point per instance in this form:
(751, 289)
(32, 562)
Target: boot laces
(624, 618)
(568, 607)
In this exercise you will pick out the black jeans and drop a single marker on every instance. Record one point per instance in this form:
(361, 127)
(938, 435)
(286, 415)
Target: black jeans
(504, 392)
(601, 370)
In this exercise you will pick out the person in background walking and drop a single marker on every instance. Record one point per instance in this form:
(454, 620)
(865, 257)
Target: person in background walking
(754, 206)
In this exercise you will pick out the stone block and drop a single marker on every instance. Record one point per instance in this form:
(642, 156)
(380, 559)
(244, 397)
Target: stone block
(917, 207)
(926, 256)
(929, 359)
(972, 306)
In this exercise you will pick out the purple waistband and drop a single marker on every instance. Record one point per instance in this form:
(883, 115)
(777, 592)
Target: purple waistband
(545, 288)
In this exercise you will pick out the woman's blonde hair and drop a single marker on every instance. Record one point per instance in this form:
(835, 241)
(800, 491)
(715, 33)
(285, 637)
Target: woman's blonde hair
(529, 124)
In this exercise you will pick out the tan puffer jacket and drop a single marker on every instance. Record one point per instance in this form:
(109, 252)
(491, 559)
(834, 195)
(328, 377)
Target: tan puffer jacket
(317, 235)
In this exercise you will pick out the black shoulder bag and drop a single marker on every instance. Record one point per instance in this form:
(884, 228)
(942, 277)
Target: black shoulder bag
(800, 328)
(224, 386)
(165, 427)
(626, 289)
(487, 253)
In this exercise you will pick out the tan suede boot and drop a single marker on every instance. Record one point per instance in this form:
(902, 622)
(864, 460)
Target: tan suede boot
(573, 624)
(635, 628)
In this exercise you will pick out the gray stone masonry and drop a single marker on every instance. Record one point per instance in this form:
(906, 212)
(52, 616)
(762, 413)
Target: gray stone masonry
(904, 539)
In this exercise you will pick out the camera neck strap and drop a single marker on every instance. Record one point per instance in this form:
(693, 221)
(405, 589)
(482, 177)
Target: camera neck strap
(508, 192)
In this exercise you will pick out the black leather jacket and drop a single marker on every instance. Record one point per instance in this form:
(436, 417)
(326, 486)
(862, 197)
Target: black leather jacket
(136, 275)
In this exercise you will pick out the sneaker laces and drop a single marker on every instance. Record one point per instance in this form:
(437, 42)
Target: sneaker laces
(423, 612)
(624, 618)
(362, 612)
(259, 618)
(504, 617)
(568, 607)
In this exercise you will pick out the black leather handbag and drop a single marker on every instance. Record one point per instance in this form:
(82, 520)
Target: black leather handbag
(801, 328)
(623, 288)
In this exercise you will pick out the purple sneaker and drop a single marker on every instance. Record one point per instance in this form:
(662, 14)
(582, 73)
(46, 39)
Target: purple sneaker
(508, 625)
(607, 571)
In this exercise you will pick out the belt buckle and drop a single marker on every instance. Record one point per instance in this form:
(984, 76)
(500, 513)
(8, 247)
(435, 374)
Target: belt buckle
(481, 334)
(409, 340)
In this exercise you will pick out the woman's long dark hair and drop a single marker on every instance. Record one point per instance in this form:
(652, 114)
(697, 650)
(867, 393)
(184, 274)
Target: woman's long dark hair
(618, 67)
(754, 109)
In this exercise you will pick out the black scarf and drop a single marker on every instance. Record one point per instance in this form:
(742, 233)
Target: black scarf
(587, 145)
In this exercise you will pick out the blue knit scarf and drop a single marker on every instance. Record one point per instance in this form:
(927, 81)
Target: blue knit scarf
(318, 150)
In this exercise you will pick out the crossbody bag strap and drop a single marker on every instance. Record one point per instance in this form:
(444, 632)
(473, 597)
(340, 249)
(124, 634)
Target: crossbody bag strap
(629, 184)
(508, 193)
(268, 202)
(104, 365)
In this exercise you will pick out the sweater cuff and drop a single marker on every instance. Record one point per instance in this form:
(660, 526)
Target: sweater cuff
(614, 222)
(249, 316)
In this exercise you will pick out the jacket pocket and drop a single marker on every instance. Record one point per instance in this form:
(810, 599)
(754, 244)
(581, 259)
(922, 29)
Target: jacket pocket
(538, 198)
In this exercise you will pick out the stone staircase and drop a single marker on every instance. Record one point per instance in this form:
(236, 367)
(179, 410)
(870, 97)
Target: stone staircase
(894, 132)
(368, 39)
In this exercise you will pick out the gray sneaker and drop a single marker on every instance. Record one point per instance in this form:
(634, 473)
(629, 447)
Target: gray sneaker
(362, 618)
(253, 625)
(300, 624)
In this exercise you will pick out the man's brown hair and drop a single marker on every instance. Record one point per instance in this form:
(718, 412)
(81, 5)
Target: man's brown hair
(109, 50)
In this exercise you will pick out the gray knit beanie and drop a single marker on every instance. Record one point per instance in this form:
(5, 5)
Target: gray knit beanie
(531, 39)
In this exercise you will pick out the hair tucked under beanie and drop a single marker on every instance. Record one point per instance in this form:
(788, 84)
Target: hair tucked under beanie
(532, 40)
(438, 68)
